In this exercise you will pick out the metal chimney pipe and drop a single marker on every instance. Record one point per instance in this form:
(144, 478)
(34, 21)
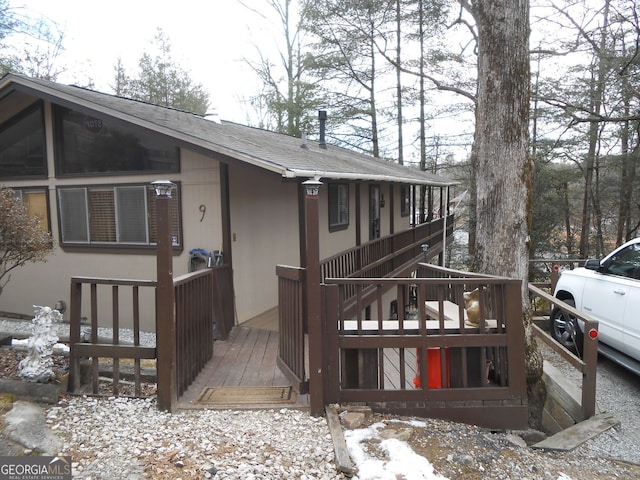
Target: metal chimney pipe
(322, 116)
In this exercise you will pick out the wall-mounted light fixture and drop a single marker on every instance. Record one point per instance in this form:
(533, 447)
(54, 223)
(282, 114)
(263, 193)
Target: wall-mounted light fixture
(425, 247)
(163, 187)
(312, 187)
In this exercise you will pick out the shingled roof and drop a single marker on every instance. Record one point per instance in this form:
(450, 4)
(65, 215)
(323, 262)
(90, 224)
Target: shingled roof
(279, 153)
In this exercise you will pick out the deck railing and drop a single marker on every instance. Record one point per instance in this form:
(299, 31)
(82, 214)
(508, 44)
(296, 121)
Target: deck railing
(291, 325)
(544, 275)
(393, 255)
(586, 365)
(202, 299)
(90, 345)
(390, 255)
(194, 325)
(429, 362)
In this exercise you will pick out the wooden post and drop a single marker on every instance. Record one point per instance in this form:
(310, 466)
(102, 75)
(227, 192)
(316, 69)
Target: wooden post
(590, 358)
(165, 304)
(74, 336)
(313, 292)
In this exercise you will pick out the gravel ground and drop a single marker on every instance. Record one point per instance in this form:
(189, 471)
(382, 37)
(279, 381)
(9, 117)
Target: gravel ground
(617, 392)
(120, 438)
(117, 438)
(23, 328)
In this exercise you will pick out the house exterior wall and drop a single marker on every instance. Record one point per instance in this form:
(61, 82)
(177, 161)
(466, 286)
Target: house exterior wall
(340, 240)
(264, 233)
(332, 243)
(264, 220)
(49, 282)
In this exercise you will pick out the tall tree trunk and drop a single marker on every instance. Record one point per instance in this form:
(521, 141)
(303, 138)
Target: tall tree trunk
(399, 80)
(504, 170)
(375, 139)
(628, 170)
(423, 140)
(566, 208)
(596, 91)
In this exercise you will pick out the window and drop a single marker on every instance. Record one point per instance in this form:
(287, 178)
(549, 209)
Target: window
(22, 151)
(626, 262)
(338, 206)
(405, 201)
(90, 145)
(37, 202)
(112, 215)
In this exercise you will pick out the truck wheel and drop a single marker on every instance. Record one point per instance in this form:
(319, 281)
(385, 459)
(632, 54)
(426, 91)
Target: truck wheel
(565, 329)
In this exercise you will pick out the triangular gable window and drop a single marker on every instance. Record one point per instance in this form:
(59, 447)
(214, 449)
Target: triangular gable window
(22, 145)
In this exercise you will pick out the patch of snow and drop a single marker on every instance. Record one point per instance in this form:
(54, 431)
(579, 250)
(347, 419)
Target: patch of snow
(400, 460)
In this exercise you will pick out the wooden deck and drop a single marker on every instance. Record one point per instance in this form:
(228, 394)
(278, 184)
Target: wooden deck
(246, 359)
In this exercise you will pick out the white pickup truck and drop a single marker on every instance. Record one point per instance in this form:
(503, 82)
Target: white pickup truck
(609, 291)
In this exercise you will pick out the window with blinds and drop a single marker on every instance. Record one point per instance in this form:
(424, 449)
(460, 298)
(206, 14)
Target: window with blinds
(112, 215)
(36, 201)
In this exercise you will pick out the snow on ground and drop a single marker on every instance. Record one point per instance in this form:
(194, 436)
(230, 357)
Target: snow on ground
(401, 461)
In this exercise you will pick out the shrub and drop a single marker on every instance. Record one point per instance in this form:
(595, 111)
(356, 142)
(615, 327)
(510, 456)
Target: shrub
(23, 238)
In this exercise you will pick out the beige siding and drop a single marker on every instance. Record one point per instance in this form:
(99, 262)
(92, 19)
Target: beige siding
(338, 241)
(47, 283)
(264, 233)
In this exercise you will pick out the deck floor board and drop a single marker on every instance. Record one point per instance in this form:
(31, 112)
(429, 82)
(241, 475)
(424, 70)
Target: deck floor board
(247, 358)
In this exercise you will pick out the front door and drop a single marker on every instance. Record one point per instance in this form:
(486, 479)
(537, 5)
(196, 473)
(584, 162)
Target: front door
(374, 212)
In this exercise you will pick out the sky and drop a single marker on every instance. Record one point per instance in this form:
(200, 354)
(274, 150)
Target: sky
(209, 39)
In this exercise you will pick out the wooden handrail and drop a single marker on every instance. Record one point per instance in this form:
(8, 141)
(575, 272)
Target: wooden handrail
(588, 365)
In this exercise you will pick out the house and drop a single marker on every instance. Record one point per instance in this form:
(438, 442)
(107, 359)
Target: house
(84, 161)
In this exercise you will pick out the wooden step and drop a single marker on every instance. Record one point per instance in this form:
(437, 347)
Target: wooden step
(577, 434)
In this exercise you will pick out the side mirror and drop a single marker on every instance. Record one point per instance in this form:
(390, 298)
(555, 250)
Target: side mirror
(592, 264)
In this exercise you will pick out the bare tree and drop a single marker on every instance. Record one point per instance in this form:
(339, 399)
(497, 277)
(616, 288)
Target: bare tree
(288, 95)
(23, 238)
(36, 47)
(501, 163)
(346, 54)
(596, 105)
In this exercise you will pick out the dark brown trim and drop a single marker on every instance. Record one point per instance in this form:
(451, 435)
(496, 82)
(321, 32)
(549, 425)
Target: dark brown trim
(225, 207)
(124, 250)
(391, 207)
(302, 232)
(358, 216)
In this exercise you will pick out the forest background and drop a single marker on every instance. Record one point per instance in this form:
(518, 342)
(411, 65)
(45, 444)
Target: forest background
(399, 79)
